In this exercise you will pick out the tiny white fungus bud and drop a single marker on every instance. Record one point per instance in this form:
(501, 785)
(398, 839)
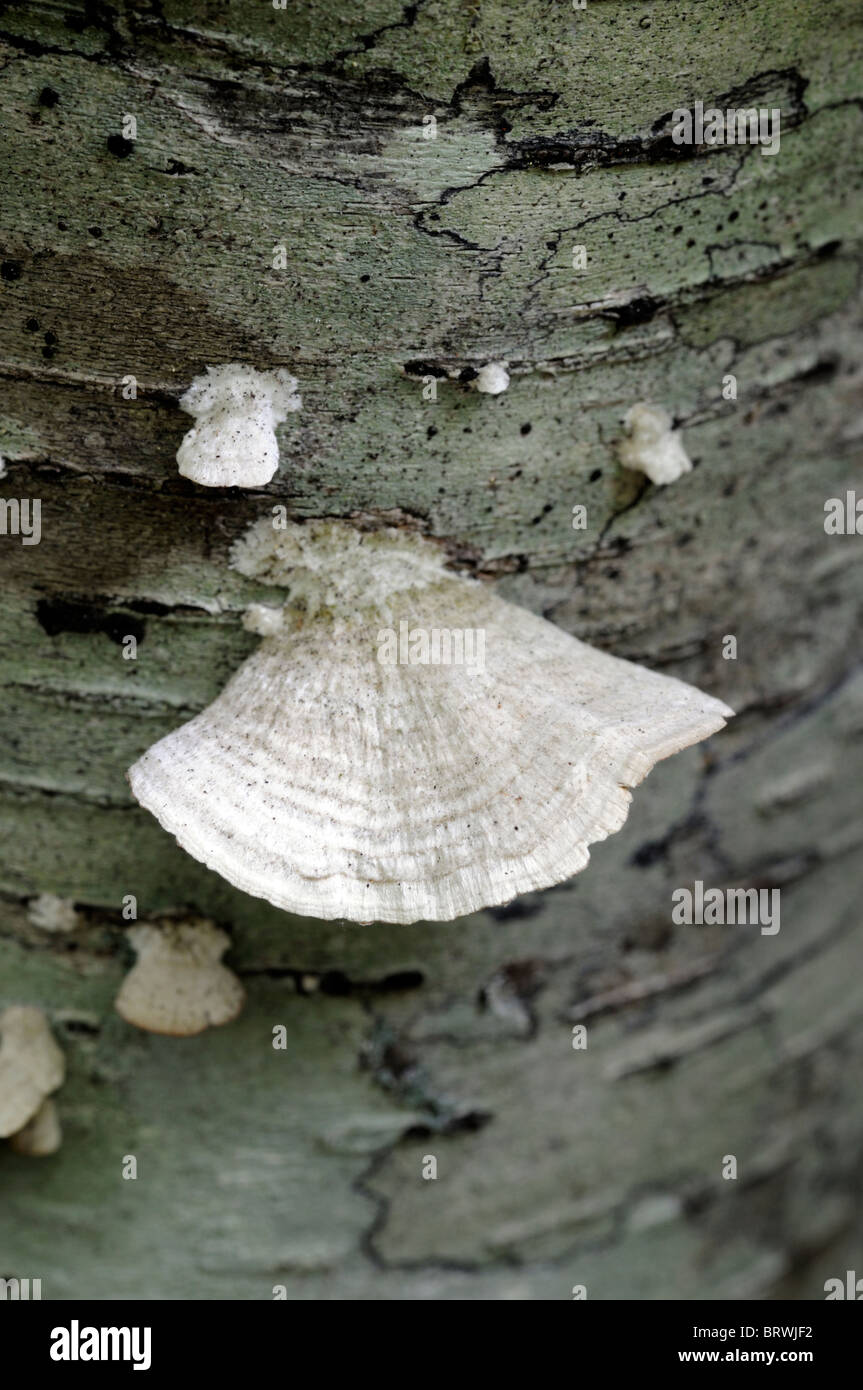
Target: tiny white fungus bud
(492, 379)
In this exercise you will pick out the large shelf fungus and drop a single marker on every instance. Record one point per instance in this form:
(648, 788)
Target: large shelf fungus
(404, 744)
(237, 409)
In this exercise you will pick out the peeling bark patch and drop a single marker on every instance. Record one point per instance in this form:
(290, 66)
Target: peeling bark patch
(338, 984)
(639, 310)
(56, 615)
(368, 41)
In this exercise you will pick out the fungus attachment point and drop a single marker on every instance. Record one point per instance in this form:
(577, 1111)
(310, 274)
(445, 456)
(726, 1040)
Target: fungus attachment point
(652, 446)
(178, 985)
(492, 379)
(407, 745)
(31, 1067)
(234, 441)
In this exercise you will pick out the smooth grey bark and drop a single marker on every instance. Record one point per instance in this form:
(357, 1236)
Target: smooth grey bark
(257, 129)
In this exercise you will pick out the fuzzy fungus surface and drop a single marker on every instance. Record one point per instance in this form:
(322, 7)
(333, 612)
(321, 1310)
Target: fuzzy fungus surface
(237, 409)
(492, 379)
(404, 744)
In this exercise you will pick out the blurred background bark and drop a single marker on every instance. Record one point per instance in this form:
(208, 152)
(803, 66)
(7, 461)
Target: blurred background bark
(276, 199)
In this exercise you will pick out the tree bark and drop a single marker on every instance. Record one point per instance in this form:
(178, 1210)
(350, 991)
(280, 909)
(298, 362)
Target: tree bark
(149, 251)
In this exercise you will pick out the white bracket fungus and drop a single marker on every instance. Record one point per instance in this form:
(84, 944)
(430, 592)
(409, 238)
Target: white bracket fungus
(31, 1067)
(178, 985)
(335, 783)
(492, 379)
(237, 409)
(652, 446)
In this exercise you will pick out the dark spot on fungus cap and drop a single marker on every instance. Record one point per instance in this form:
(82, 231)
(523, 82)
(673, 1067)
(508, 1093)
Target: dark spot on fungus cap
(48, 97)
(10, 270)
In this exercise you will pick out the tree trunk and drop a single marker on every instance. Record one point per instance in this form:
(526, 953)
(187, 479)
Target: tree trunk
(150, 249)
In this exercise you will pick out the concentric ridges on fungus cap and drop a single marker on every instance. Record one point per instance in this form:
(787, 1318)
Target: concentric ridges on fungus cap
(332, 566)
(337, 785)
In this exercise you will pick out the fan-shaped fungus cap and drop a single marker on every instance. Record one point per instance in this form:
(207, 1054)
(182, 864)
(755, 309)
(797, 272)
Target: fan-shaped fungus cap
(492, 379)
(31, 1066)
(41, 1136)
(652, 446)
(237, 409)
(405, 744)
(178, 985)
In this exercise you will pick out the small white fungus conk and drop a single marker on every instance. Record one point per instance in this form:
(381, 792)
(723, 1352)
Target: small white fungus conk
(31, 1066)
(652, 446)
(492, 378)
(336, 783)
(237, 409)
(178, 984)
